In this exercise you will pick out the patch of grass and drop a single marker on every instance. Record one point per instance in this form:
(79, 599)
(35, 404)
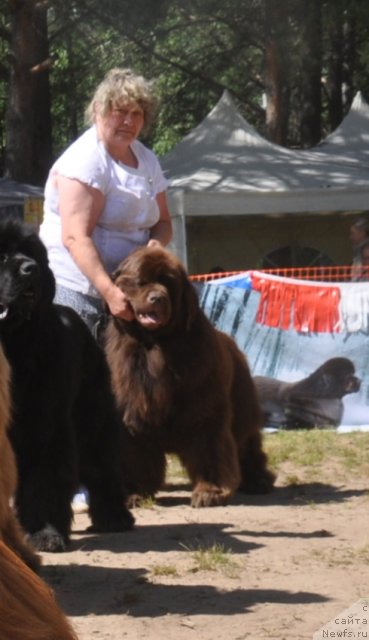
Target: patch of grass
(293, 480)
(363, 553)
(164, 570)
(314, 450)
(175, 468)
(214, 557)
(345, 557)
(145, 502)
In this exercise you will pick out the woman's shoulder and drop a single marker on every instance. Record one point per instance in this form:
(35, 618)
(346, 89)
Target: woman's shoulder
(81, 147)
(83, 160)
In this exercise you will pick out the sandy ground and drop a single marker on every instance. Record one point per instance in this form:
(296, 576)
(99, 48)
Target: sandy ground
(291, 561)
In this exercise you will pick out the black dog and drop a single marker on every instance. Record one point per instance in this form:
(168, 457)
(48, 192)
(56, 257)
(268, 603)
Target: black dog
(65, 430)
(315, 401)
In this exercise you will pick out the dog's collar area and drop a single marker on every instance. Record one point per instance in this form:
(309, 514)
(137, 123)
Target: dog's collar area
(146, 338)
(134, 328)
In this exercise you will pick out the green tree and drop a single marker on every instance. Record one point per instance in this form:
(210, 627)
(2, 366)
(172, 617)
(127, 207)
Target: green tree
(292, 66)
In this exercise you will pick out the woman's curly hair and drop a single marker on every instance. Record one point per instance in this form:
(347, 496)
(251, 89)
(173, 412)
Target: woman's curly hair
(120, 86)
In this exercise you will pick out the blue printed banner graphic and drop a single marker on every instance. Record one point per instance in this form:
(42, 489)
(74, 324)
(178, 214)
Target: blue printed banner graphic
(305, 378)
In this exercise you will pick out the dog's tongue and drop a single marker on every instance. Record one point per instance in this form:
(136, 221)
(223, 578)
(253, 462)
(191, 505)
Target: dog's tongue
(3, 311)
(148, 319)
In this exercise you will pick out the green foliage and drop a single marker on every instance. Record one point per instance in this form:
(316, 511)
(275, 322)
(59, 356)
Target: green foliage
(195, 50)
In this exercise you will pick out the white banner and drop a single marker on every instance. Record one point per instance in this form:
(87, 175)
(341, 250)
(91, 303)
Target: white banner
(308, 378)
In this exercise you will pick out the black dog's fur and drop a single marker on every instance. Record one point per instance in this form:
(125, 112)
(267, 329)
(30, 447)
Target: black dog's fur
(65, 430)
(315, 401)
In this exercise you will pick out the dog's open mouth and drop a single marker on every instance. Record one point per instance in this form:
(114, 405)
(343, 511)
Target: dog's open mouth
(3, 311)
(151, 306)
(19, 306)
(149, 320)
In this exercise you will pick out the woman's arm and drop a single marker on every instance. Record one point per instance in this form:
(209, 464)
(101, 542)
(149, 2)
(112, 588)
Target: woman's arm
(80, 207)
(162, 231)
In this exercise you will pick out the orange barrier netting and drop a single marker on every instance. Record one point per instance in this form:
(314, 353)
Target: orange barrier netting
(324, 274)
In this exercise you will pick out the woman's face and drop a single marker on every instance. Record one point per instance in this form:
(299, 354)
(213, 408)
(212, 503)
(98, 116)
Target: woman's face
(121, 125)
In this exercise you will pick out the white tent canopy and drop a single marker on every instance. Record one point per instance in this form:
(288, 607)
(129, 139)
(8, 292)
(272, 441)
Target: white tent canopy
(224, 166)
(351, 138)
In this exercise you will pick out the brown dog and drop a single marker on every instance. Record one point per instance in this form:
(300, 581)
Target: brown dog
(182, 387)
(315, 401)
(28, 610)
(10, 530)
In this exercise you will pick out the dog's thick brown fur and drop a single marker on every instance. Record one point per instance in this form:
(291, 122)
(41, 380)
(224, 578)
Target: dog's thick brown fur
(182, 387)
(10, 530)
(28, 610)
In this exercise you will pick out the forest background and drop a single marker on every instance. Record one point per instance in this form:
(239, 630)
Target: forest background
(292, 66)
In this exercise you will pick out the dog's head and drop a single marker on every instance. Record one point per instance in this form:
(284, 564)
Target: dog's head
(26, 280)
(158, 290)
(334, 379)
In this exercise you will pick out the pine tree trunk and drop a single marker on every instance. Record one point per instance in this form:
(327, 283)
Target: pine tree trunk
(276, 82)
(311, 86)
(28, 126)
(335, 65)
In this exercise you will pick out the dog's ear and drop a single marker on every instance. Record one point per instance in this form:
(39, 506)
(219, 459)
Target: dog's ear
(49, 285)
(35, 249)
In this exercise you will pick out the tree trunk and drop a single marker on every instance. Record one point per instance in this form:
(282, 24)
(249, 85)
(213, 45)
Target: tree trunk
(334, 65)
(276, 81)
(310, 89)
(349, 58)
(29, 149)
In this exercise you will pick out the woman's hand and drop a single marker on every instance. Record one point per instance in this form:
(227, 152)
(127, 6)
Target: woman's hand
(154, 243)
(118, 304)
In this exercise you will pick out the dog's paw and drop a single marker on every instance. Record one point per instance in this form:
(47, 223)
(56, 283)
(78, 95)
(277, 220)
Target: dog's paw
(209, 495)
(48, 539)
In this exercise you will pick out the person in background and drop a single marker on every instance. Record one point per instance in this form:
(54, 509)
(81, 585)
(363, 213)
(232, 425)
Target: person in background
(359, 235)
(362, 274)
(104, 197)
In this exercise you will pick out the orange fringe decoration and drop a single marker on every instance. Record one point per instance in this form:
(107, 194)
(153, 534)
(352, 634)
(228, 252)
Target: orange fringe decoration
(304, 307)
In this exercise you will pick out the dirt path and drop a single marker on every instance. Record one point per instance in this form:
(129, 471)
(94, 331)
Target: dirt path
(291, 561)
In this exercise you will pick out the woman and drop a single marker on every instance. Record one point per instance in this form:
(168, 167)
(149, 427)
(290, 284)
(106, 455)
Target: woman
(105, 196)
